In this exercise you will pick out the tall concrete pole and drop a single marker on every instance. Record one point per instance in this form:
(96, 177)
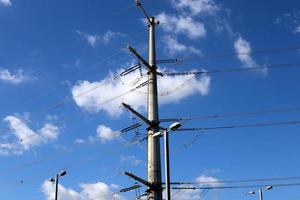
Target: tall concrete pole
(154, 162)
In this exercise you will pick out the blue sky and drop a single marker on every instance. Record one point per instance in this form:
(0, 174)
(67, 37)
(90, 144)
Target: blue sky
(58, 61)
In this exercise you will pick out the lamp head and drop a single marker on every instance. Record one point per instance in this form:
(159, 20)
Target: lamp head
(51, 180)
(269, 187)
(157, 134)
(175, 126)
(251, 192)
(63, 173)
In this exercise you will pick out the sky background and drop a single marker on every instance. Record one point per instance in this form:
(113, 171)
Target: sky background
(61, 95)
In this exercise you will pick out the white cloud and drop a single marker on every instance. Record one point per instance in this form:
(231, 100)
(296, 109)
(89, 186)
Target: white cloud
(173, 46)
(103, 95)
(17, 78)
(49, 132)
(94, 39)
(196, 6)
(52, 117)
(132, 160)
(6, 3)
(243, 50)
(26, 138)
(105, 133)
(89, 191)
(90, 39)
(208, 181)
(80, 141)
(182, 25)
(297, 30)
(109, 35)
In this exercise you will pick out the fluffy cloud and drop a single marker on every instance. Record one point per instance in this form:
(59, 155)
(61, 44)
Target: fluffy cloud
(290, 20)
(182, 25)
(196, 6)
(99, 191)
(132, 160)
(26, 138)
(105, 95)
(243, 50)
(204, 181)
(103, 134)
(174, 47)
(297, 30)
(6, 3)
(207, 181)
(94, 39)
(17, 78)
(90, 39)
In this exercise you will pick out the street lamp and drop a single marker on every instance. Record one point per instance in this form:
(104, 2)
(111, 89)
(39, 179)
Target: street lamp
(260, 191)
(165, 133)
(55, 180)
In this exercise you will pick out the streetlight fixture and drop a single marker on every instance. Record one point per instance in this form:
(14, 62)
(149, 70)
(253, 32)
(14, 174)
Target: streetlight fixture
(165, 133)
(55, 180)
(260, 191)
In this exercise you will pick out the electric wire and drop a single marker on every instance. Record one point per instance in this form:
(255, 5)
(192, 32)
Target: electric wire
(235, 69)
(228, 55)
(265, 124)
(67, 98)
(287, 178)
(235, 186)
(237, 114)
(69, 128)
(81, 162)
(203, 194)
(82, 94)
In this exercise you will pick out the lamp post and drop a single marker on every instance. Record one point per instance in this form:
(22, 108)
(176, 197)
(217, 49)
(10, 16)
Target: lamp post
(260, 191)
(55, 180)
(165, 133)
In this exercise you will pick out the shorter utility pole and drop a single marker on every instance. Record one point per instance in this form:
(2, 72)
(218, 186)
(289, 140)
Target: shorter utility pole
(260, 194)
(165, 133)
(55, 180)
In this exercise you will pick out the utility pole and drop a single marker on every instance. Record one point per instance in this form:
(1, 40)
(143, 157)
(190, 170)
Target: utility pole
(154, 162)
(55, 180)
(154, 183)
(56, 186)
(153, 157)
(260, 194)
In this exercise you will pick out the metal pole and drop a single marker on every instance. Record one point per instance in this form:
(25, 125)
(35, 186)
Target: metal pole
(56, 186)
(167, 165)
(154, 163)
(260, 194)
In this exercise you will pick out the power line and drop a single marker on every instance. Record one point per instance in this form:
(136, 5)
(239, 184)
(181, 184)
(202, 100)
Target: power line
(227, 55)
(235, 187)
(237, 69)
(238, 181)
(238, 114)
(80, 95)
(69, 128)
(241, 126)
(67, 98)
(81, 161)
